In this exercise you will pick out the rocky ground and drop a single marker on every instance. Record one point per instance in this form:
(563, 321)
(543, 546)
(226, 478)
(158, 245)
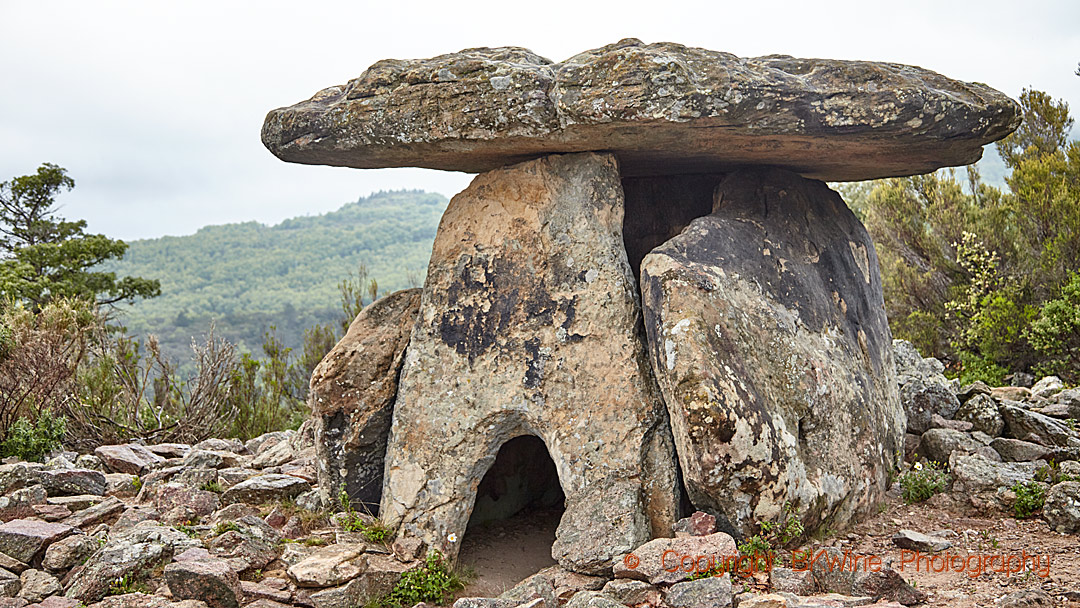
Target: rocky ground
(224, 524)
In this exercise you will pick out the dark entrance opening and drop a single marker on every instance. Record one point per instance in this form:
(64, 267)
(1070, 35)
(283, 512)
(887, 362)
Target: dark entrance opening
(518, 506)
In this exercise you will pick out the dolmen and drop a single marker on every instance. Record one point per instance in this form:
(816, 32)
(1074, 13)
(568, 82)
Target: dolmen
(648, 274)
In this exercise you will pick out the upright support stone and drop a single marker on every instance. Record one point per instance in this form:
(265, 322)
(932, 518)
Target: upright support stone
(768, 335)
(530, 325)
(352, 397)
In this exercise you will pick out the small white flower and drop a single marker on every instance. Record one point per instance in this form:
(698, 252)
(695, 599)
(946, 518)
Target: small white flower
(918, 466)
(452, 537)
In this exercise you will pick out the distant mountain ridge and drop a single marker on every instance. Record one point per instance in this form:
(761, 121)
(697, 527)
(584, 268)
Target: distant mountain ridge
(245, 277)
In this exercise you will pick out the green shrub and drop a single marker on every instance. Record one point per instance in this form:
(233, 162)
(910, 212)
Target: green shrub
(212, 486)
(372, 529)
(225, 526)
(1055, 333)
(922, 482)
(33, 440)
(1051, 474)
(975, 368)
(1030, 497)
(433, 582)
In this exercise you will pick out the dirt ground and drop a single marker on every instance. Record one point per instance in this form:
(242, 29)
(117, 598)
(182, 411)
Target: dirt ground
(988, 534)
(502, 555)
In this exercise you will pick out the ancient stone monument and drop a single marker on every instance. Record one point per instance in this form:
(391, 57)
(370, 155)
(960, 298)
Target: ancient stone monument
(646, 275)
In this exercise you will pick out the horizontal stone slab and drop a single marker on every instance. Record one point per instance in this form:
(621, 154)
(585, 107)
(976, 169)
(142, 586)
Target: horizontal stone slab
(661, 108)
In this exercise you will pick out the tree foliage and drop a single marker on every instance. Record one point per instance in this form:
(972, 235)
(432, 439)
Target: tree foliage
(977, 276)
(46, 257)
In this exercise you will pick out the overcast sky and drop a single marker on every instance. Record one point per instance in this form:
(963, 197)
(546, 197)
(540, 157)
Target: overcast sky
(155, 107)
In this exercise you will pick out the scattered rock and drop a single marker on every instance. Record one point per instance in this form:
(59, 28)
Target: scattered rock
(165, 496)
(1047, 387)
(69, 552)
(671, 560)
(698, 524)
(68, 482)
(26, 540)
(1014, 450)
(210, 459)
(788, 580)
(921, 401)
(708, 592)
(265, 488)
(137, 550)
(38, 585)
(1020, 422)
(10, 584)
(938, 444)
(982, 412)
(210, 581)
(104, 511)
(917, 541)
(329, 566)
(1028, 598)
(1062, 507)
(130, 458)
(632, 592)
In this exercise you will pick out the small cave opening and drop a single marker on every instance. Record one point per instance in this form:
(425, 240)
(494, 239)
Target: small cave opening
(519, 503)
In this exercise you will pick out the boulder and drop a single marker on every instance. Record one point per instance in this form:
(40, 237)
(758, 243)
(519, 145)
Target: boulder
(671, 560)
(1047, 387)
(271, 487)
(661, 108)
(352, 397)
(938, 444)
(329, 566)
(135, 552)
(813, 419)
(166, 496)
(210, 581)
(698, 524)
(708, 592)
(912, 366)
(974, 473)
(917, 541)
(251, 546)
(982, 412)
(529, 325)
(26, 540)
(130, 458)
(922, 401)
(1014, 450)
(106, 510)
(1061, 510)
(37, 585)
(69, 552)
(631, 592)
(68, 482)
(199, 458)
(1019, 422)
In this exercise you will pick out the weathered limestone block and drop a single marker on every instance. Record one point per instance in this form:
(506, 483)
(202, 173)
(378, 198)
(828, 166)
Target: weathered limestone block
(663, 109)
(768, 335)
(352, 397)
(530, 325)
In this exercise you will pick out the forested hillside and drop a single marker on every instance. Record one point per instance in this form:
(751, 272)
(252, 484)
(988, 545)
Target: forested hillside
(247, 277)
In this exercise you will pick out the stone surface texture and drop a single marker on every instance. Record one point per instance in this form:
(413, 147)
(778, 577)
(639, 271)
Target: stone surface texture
(530, 325)
(662, 108)
(768, 335)
(352, 397)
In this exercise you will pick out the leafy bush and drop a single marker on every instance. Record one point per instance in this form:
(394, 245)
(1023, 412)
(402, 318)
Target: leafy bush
(33, 440)
(922, 482)
(1055, 333)
(772, 536)
(1030, 497)
(433, 582)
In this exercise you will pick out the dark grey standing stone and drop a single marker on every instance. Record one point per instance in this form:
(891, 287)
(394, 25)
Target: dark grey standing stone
(352, 398)
(769, 339)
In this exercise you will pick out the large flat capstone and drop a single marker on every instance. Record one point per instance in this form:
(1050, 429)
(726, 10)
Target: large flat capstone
(768, 336)
(661, 108)
(530, 324)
